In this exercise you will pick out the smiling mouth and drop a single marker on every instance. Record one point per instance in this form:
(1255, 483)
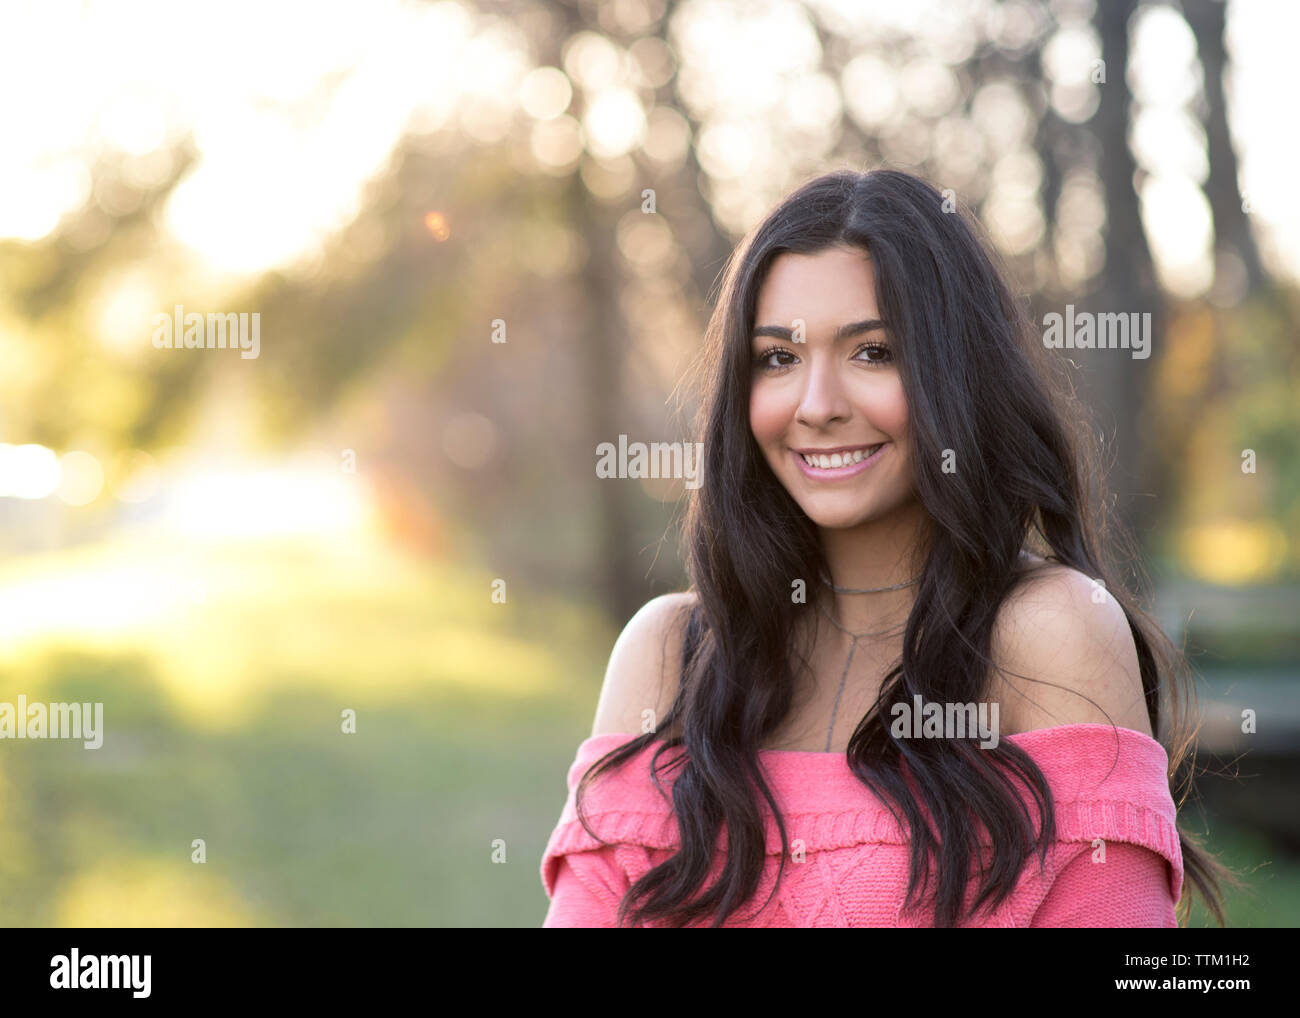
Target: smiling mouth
(837, 459)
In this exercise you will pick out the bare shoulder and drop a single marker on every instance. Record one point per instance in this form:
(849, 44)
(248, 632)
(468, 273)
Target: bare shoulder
(1064, 655)
(644, 669)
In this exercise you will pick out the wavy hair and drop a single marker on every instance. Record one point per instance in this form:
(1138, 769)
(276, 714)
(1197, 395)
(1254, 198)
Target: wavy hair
(977, 381)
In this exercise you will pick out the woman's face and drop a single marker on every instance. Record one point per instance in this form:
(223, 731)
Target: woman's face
(829, 394)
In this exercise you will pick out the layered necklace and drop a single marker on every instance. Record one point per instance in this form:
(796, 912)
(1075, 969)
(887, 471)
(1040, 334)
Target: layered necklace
(853, 646)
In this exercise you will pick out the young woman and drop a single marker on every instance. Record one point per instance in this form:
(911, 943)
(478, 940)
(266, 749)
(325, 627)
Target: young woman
(905, 687)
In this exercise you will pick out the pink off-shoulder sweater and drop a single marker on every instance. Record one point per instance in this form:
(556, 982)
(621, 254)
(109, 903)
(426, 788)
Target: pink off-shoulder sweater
(849, 858)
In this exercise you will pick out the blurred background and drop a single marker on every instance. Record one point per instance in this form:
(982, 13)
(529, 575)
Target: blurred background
(481, 239)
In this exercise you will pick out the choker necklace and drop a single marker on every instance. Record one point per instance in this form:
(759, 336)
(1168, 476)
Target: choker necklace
(865, 590)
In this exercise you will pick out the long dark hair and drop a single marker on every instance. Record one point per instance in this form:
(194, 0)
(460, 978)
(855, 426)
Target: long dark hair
(977, 381)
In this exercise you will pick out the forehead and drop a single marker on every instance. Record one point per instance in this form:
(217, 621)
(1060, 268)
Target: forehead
(830, 287)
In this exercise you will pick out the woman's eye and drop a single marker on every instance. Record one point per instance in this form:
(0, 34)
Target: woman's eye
(879, 353)
(883, 355)
(764, 360)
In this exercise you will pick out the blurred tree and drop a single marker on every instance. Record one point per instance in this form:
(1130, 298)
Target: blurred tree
(1232, 235)
(455, 235)
(1116, 382)
(65, 382)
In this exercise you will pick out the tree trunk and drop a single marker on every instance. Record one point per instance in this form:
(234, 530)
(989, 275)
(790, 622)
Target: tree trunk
(1231, 224)
(1115, 382)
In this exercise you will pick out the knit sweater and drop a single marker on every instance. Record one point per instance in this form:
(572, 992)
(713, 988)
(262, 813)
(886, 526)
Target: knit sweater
(849, 858)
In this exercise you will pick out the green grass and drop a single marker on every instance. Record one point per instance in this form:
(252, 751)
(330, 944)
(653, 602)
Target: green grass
(467, 715)
(1270, 892)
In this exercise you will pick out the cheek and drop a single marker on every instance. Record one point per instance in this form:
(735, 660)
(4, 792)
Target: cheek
(890, 413)
(768, 416)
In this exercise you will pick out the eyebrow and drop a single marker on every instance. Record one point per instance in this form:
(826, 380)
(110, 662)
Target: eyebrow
(843, 332)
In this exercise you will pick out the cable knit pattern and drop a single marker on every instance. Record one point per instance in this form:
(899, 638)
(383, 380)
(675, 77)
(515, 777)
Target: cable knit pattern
(848, 863)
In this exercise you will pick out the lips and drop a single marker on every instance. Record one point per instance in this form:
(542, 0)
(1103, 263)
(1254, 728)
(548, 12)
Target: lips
(849, 466)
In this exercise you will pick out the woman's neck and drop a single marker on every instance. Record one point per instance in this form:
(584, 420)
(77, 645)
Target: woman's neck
(880, 554)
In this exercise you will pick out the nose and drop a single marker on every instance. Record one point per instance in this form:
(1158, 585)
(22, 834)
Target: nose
(823, 401)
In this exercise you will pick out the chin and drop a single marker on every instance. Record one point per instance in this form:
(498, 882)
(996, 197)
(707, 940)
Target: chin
(839, 522)
(832, 518)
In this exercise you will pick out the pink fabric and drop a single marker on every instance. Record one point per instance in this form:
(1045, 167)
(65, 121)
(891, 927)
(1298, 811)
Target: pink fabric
(1107, 783)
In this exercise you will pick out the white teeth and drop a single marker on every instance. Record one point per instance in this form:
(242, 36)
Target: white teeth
(836, 460)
